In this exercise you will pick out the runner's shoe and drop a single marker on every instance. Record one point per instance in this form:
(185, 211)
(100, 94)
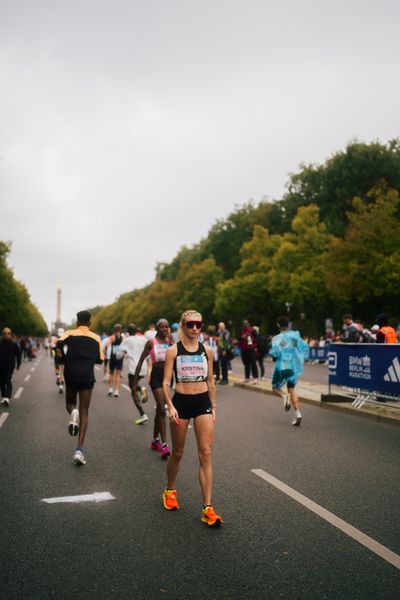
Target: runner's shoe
(169, 500)
(110, 391)
(143, 395)
(5, 401)
(79, 459)
(143, 419)
(286, 403)
(60, 388)
(209, 516)
(165, 452)
(116, 394)
(73, 426)
(156, 445)
(297, 420)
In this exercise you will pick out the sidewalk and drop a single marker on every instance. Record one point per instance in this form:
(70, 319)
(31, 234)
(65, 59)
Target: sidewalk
(310, 393)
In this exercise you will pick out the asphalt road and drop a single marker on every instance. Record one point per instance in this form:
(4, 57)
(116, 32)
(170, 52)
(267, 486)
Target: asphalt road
(269, 546)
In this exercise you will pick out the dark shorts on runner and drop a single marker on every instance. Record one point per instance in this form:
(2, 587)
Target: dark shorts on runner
(115, 365)
(279, 378)
(190, 406)
(156, 377)
(77, 386)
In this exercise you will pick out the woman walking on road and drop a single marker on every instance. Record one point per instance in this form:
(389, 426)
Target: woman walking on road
(194, 398)
(157, 347)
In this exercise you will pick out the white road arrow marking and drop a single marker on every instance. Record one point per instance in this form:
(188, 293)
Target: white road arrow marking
(96, 497)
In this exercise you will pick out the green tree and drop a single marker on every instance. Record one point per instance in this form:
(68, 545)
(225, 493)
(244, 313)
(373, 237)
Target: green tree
(333, 185)
(363, 270)
(196, 286)
(247, 293)
(16, 308)
(297, 274)
(227, 236)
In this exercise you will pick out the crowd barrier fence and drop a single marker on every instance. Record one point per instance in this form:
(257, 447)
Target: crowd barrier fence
(370, 372)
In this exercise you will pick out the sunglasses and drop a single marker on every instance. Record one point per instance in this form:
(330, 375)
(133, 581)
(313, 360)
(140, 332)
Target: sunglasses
(193, 324)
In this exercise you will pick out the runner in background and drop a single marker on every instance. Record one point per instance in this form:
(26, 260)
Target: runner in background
(107, 353)
(116, 360)
(289, 350)
(79, 350)
(151, 332)
(10, 355)
(133, 346)
(156, 347)
(58, 364)
(174, 330)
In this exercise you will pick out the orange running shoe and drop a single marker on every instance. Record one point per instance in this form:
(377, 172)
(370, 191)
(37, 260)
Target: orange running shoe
(209, 516)
(169, 499)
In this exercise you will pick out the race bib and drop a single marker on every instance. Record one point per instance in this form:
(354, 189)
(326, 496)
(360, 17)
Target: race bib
(160, 350)
(191, 368)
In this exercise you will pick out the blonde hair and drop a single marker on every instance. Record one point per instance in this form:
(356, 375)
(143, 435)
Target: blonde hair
(185, 317)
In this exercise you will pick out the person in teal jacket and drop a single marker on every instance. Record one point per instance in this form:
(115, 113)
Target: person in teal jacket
(289, 351)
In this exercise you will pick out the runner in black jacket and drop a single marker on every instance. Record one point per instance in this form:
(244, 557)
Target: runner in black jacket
(10, 353)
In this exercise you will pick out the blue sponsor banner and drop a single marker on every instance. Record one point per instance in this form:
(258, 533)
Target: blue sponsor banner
(370, 367)
(317, 353)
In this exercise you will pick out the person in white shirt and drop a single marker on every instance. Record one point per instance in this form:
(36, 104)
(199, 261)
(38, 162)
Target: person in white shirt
(151, 332)
(133, 346)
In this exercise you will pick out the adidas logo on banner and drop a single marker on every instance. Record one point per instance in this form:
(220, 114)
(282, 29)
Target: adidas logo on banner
(393, 373)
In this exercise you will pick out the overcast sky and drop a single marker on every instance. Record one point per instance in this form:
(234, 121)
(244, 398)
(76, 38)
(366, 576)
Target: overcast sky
(128, 127)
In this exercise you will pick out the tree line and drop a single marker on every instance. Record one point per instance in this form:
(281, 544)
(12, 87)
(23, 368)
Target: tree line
(16, 308)
(329, 246)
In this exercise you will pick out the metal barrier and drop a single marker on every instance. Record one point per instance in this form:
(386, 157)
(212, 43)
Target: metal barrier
(369, 372)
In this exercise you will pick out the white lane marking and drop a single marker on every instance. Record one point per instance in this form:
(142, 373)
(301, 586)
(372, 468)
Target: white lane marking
(33, 369)
(3, 419)
(360, 537)
(126, 387)
(97, 367)
(18, 393)
(96, 497)
(27, 378)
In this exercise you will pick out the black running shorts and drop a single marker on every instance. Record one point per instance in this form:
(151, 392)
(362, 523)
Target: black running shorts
(115, 365)
(190, 406)
(156, 377)
(77, 386)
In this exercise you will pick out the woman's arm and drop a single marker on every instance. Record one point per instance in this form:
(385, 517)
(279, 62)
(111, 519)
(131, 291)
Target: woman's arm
(168, 370)
(210, 380)
(143, 356)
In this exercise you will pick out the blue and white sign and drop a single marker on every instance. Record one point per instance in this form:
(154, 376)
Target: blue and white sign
(319, 353)
(370, 367)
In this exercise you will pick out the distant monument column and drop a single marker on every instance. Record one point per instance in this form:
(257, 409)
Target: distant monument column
(58, 322)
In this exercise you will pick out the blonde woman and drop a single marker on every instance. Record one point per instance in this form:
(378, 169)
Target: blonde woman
(194, 398)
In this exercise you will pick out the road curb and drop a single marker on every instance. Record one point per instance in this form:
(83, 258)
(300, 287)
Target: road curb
(342, 407)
